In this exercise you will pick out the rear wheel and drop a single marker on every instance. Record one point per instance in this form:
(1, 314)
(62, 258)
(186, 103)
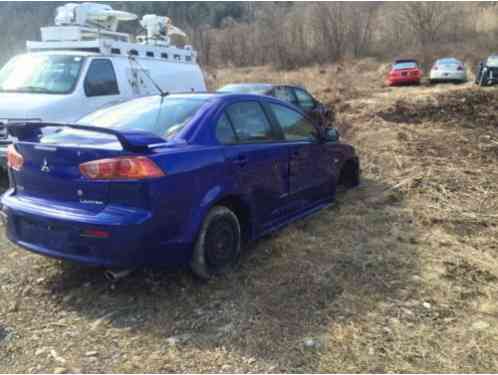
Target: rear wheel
(217, 249)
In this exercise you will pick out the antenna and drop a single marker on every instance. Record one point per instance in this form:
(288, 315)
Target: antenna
(158, 88)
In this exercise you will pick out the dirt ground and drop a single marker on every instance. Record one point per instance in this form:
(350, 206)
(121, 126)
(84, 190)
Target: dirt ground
(399, 274)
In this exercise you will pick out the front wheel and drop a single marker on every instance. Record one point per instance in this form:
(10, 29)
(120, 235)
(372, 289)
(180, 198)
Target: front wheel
(483, 80)
(217, 249)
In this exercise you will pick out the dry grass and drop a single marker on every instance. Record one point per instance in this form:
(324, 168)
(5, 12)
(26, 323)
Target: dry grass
(399, 275)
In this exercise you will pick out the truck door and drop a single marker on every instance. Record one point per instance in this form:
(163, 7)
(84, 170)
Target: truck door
(101, 86)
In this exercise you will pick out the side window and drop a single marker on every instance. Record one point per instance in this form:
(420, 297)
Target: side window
(285, 94)
(250, 122)
(305, 100)
(100, 79)
(224, 131)
(294, 126)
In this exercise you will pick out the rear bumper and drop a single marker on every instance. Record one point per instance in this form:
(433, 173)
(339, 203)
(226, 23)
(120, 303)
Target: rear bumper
(402, 80)
(448, 76)
(132, 241)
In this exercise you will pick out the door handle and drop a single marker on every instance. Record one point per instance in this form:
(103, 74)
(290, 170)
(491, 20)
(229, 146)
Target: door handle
(240, 160)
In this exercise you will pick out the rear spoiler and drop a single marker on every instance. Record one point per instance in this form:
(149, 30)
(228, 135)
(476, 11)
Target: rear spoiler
(400, 61)
(131, 140)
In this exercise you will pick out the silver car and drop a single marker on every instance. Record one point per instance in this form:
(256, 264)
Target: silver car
(448, 70)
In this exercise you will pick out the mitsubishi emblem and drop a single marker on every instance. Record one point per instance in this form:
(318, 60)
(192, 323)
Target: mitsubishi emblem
(45, 167)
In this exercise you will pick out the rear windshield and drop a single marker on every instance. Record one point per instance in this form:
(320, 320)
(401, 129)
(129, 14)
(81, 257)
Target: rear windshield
(147, 114)
(245, 89)
(405, 65)
(448, 63)
(492, 62)
(43, 74)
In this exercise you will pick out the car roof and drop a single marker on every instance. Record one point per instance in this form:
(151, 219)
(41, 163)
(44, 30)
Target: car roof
(255, 85)
(63, 53)
(246, 84)
(265, 85)
(193, 95)
(216, 96)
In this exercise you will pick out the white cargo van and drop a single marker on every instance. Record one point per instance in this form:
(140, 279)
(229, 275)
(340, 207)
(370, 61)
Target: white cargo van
(76, 68)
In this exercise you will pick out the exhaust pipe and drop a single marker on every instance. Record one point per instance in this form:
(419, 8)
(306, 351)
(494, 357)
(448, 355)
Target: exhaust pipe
(116, 275)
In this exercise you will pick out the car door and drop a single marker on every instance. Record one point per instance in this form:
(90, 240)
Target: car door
(100, 85)
(311, 167)
(258, 162)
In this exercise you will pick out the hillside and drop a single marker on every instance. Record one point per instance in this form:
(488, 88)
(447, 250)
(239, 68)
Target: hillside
(399, 275)
(289, 35)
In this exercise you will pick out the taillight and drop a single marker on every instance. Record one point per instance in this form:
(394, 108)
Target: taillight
(14, 159)
(460, 68)
(435, 68)
(122, 168)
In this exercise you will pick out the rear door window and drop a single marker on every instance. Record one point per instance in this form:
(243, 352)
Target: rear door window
(250, 122)
(224, 131)
(101, 79)
(294, 125)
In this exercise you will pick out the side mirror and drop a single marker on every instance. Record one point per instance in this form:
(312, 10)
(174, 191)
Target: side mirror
(332, 135)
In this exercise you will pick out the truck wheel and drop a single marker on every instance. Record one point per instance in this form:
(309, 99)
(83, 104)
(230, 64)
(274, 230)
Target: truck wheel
(217, 249)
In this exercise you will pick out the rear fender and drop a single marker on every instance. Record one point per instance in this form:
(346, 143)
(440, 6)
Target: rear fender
(208, 200)
(213, 197)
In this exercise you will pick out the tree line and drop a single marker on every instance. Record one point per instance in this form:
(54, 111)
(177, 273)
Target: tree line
(292, 34)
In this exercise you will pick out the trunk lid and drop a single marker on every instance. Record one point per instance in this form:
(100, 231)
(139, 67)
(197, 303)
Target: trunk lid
(52, 158)
(52, 173)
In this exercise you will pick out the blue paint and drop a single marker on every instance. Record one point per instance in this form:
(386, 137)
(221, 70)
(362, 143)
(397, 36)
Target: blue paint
(155, 222)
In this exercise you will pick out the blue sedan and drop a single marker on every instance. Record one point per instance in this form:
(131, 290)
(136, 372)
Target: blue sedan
(170, 180)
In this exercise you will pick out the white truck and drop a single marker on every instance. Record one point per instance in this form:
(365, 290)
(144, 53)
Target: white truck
(83, 64)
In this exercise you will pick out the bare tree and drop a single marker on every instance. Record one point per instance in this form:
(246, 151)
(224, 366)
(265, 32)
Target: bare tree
(361, 19)
(330, 23)
(427, 19)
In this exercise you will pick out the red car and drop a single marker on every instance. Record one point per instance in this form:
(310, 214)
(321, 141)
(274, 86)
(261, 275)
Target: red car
(404, 72)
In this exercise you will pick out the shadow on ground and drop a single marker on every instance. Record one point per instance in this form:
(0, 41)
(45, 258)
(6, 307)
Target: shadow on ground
(291, 286)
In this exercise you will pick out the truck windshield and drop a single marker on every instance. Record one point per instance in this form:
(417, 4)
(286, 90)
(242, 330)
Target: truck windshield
(44, 74)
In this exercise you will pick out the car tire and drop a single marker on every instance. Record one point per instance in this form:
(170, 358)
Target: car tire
(217, 248)
(349, 176)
